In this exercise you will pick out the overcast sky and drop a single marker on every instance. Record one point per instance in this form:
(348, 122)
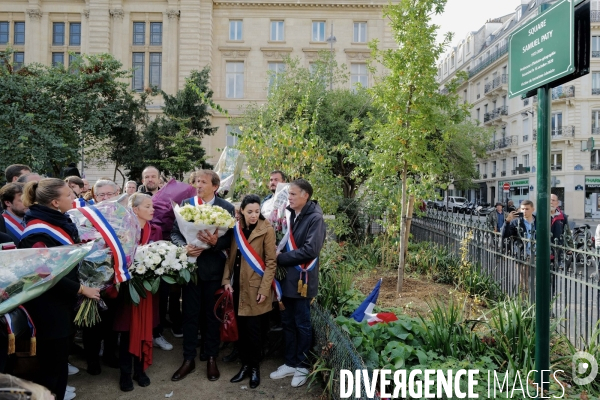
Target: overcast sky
(463, 16)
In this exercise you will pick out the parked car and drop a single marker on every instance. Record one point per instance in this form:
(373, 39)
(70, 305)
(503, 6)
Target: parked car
(453, 203)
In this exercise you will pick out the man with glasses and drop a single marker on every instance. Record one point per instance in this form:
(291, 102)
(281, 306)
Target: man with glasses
(105, 190)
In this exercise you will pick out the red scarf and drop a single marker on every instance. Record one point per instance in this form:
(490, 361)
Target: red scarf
(140, 333)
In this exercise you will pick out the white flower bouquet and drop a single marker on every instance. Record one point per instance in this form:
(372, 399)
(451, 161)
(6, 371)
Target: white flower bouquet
(156, 261)
(193, 219)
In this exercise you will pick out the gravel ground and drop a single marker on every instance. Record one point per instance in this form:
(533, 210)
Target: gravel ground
(195, 386)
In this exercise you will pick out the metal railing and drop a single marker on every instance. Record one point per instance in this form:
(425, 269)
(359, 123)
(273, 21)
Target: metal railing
(595, 54)
(505, 142)
(595, 167)
(562, 92)
(494, 55)
(565, 131)
(556, 167)
(595, 91)
(495, 114)
(596, 131)
(595, 15)
(525, 138)
(503, 173)
(510, 261)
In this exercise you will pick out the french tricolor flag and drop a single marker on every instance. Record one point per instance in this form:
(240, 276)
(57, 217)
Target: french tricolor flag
(364, 312)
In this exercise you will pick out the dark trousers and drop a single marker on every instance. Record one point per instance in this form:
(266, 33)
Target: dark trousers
(249, 332)
(199, 299)
(126, 359)
(93, 336)
(53, 356)
(297, 331)
(175, 306)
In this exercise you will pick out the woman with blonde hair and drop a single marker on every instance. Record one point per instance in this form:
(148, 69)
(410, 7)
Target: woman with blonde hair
(53, 312)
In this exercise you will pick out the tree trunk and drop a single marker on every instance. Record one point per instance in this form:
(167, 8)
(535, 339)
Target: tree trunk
(409, 213)
(402, 231)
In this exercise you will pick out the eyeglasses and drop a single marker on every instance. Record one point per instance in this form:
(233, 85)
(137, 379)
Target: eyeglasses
(104, 195)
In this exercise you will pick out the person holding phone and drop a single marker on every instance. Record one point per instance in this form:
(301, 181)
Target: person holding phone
(521, 231)
(254, 249)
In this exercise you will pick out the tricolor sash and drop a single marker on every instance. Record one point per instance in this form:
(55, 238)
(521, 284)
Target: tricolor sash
(11, 334)
(14, 227)
(253, 259)
(79, 202)
(91, 202)
(112, 241)
(38, 226)
(196, 201)
(290, 245)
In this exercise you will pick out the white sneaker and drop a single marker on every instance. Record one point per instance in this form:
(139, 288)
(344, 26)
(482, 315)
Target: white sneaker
(71, 388)
(282, 372)
(300, 377)
(162, 343)
(73, 370)
(69, 395)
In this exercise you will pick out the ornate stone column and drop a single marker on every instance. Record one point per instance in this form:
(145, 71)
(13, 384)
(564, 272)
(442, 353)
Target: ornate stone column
(34, 47)
(170, 45)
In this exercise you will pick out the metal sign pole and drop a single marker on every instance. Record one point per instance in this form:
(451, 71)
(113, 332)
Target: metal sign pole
(542, 252)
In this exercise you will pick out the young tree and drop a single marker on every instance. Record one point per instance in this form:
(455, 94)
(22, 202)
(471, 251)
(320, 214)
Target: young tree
(421, 127)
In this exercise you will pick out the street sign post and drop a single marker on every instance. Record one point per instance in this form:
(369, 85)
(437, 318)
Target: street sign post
(542, 50)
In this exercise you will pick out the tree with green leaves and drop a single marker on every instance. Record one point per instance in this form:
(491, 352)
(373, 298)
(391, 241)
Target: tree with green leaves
(422, 132)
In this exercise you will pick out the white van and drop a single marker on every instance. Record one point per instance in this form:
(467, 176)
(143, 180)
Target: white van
(453, 203)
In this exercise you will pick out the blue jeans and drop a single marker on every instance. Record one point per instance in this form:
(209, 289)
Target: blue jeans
(297, 331)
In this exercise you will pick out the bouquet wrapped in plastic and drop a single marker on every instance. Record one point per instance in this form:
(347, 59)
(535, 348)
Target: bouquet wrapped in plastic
(229, 167)
(193, 219)
(173, 191)
(274, 210)
(156, 261)
(116, 231)
(27, 273)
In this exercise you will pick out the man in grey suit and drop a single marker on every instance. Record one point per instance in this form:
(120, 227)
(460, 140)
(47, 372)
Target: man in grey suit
(200, 298)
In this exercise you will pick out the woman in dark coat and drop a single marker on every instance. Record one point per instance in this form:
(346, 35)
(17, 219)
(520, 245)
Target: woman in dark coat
(136, 322)
(53, 312)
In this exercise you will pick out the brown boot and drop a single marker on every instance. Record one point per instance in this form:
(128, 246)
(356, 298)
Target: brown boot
(212, 371)
(187, 367)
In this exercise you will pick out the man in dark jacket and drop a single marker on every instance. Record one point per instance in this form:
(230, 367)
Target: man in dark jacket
(200, 297)
(300, 285)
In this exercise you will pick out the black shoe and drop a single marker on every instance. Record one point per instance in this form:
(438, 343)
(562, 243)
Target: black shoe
(254, 377)
(126, 383)
(232, 356)
(94, 368)
(240, 376)
(142, 379)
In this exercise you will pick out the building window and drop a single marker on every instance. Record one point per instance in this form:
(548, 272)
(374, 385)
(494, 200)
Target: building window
(526, 129)
(75, 34)
(360, 32)
(595, 82)
(4, 27)
(526, 160)
(19, 33)
(557, 124)
(514, 163)
(58, 34)
(504, 165)
(234, 80)
(275, 69)
(72, 57)
(595, 122)
(359, 74)
(138, 71)
(58, 59)
(478, 114)
(318, 31)
(556, 162)
(235, 30)
(595, 46)
(277, 31)
(18, 59)
(156, 33)
(595, 160)
(155, 69)
(493, 168)
(233, 133)
(139, 33)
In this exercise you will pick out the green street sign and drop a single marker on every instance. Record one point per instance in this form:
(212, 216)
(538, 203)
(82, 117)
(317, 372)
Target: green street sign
(541, 51)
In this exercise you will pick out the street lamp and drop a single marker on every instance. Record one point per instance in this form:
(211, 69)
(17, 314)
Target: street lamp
(331, 40)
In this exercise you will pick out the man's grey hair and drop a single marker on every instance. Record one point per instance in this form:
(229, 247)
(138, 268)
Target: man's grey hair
(104, 182)
(128, 182)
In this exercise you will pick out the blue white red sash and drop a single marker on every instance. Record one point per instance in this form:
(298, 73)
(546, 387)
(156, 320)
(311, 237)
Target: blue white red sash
(252, 258)
(196, 201)
(79, 202)
(13, 226)
(11, 332)
(91, 202)
(112, 241)
(290, 245)
(38, 226)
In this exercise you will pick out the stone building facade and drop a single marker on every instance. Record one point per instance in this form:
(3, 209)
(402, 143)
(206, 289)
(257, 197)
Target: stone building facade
(164, 40)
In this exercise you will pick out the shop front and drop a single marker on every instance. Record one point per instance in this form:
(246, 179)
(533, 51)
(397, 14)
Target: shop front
(519, 191)
(592, 196)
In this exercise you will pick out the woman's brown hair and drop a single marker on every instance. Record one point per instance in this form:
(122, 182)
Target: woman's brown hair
(42, 192)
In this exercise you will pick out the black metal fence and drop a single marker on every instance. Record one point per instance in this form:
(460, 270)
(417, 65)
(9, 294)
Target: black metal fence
(510, 260)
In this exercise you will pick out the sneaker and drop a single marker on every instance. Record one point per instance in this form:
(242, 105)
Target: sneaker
(70, 388)
(283, 371)
(178, 333)
(162, 343)
(69, 395)
(73, 370)
(300, 377)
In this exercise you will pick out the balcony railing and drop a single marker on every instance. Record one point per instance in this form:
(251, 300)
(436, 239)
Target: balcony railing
(596, 131)
(534, 135)
(525, 171)
(484, 176)
(525, 138)
(525, 102)
(496, 83)
(595, 54)
(595, 91)
(556, 167)
(505, 142)
(562, 92)
(494, 55)
(565, 131)
(595, 15)
(503, 173)
(493, 174)
(494, 114)
(595, 167)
